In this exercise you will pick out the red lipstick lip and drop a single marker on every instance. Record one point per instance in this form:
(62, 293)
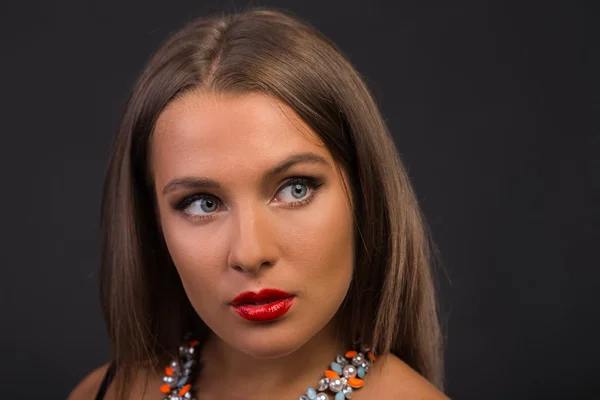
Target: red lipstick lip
(264, 296)
(266, 305)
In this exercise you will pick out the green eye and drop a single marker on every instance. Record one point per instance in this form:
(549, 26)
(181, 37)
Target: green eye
(206, 205)
(199, 205)
(299, 190)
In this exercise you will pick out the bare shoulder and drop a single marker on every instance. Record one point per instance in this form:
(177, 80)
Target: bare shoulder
(144, 383)
(88, 387)
(392, 378)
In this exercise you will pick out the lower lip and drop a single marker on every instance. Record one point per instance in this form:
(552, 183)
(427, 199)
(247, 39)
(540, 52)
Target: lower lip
(264, 312)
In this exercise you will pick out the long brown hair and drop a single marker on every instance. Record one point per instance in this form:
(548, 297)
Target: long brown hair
(391, 301)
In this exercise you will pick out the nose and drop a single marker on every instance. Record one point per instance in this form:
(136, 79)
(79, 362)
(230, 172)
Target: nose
(252, 240)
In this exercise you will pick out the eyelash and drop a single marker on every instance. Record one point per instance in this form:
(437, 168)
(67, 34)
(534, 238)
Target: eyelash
(312, 183)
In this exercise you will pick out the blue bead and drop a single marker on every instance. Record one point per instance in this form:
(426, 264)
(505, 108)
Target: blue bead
(339, 396)
(182, 381)
(361, 372)
(311, 393)
(337, 368)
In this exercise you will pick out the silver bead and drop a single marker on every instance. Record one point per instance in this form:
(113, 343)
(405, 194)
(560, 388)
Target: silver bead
(191, 351)
(336, 385)
(365, 349)
(174, 365)
(323, 384)
(341, 360)
(187, 396)
(303, 398)
(344, 380)
(322, 396)
(347, 390)
(358, 359)
(169, 379)
(367, 368)
(364, 364)
(349, 371)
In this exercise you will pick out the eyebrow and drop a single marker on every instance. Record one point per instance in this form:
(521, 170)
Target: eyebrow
(207, 183)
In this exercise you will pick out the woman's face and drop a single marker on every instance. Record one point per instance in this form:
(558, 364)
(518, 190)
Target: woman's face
(250, 199)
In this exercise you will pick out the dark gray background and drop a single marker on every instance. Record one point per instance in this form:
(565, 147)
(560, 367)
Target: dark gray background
(493, 105)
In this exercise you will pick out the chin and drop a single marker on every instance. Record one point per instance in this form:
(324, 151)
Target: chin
(269, 340)
(266, 340)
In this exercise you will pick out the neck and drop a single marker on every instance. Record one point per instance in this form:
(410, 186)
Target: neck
(226, 369)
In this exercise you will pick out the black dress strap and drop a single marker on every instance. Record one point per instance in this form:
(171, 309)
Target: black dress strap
(108, 377)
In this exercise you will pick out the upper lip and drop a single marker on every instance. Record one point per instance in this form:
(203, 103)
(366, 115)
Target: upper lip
(263, 296)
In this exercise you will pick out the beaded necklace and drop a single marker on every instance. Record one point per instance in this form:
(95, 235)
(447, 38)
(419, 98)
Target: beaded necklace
(344, 375)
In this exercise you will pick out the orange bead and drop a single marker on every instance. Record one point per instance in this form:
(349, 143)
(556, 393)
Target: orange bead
(331, 374)
(194, 343)
(185, 389)
(356, 383)
(351, 354)
(169, 371)
(371, 356)
(165, 388)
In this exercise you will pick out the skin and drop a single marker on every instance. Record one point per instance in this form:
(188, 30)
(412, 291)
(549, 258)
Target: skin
(251, 231)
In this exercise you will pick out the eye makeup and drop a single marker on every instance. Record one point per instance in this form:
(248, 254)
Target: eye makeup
(183, 206)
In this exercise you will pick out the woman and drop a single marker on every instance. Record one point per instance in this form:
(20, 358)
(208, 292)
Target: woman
(255, 208)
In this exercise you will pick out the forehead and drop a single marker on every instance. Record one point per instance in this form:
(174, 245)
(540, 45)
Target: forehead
(210, 133)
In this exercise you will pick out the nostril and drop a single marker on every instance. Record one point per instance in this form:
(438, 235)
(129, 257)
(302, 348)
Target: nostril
(238, 268)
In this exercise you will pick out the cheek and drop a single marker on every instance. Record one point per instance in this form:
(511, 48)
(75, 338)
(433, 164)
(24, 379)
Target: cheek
(321, 249)
(197, 256)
